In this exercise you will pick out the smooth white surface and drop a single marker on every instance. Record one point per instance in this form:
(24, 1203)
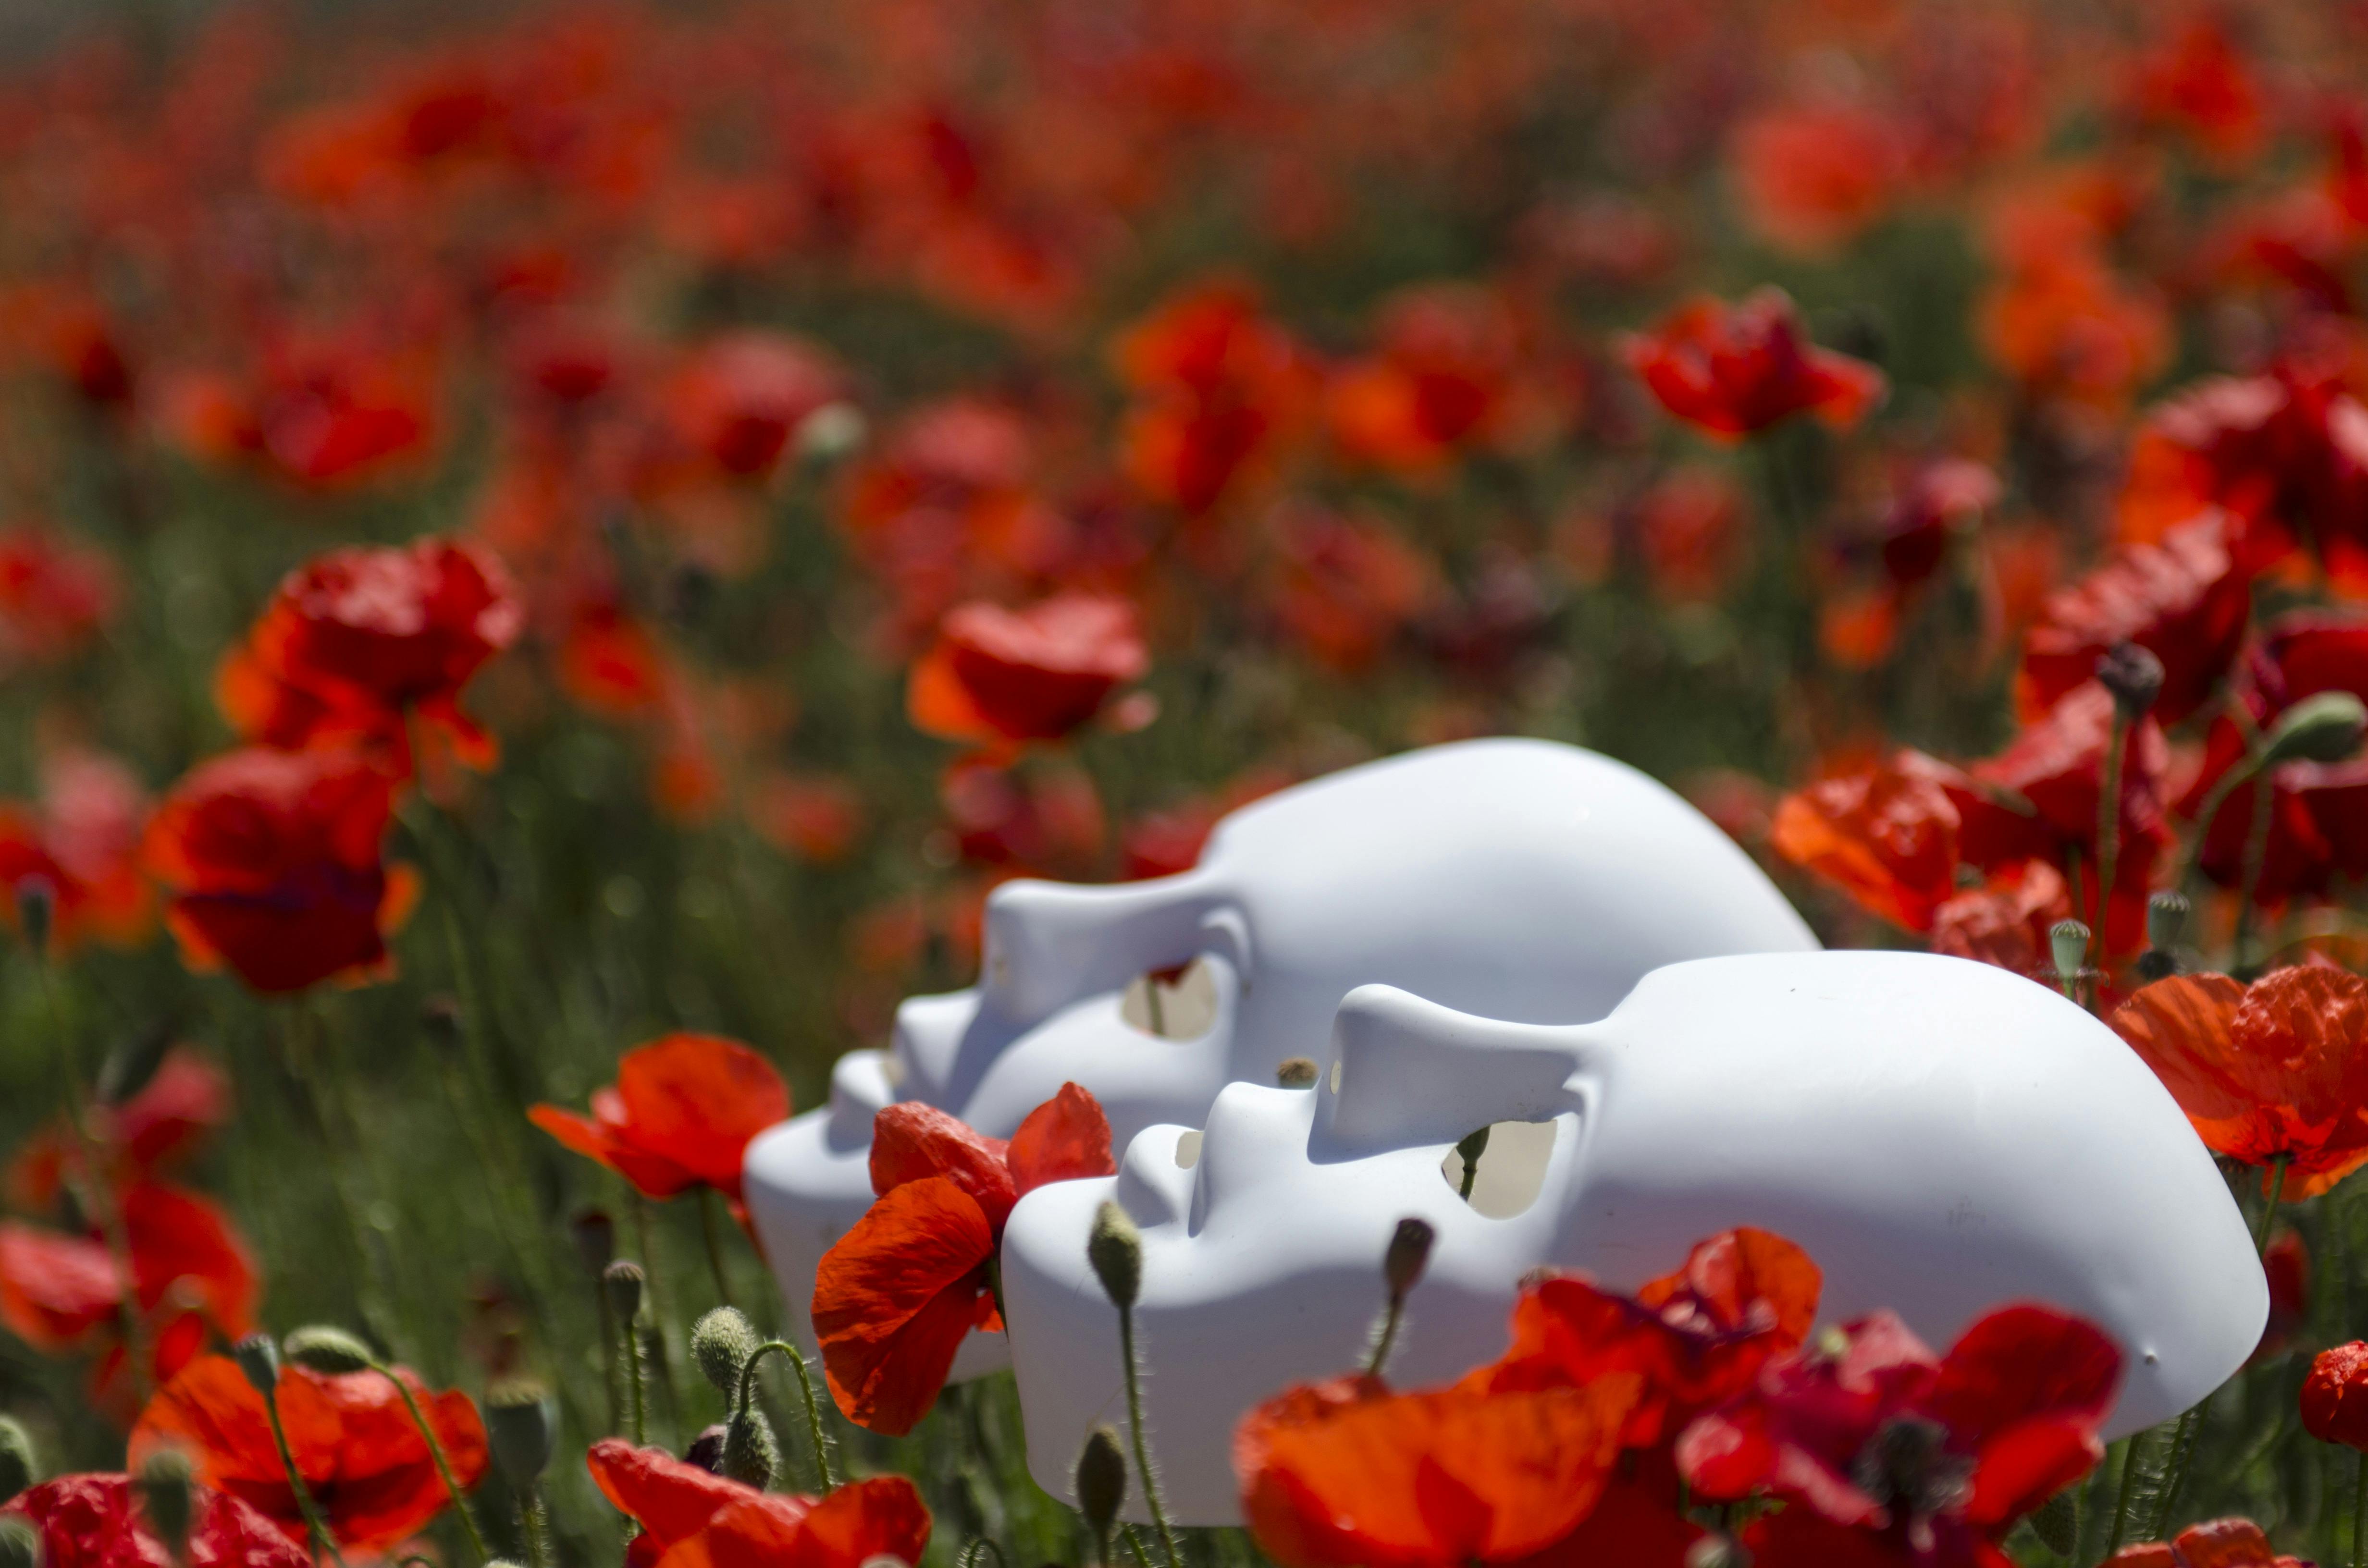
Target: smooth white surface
(1943, 1136)
(1520, 879)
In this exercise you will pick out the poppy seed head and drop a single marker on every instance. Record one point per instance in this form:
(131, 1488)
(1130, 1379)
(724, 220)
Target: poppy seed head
(594, 1234)
(258, 1358)
(521, 1426)
(623, 1281)
(2068, 943)
(2135, 678)
(1115, 1249)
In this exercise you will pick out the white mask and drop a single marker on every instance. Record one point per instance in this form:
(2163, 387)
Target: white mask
(1941, 1136)
(1520, 879)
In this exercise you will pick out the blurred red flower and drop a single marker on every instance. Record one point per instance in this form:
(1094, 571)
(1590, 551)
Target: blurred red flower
(187, 1098)
(358, 640)
(369, 1470)
(1967, 1443)
(1889, 835)
(2067, 326)
(897, 1294)
(55, 594)
(1002, 677)
(2272, 1070)
(1692, 531)
(1444, 375)
(80, 841)
(1733, 371)
(1348, 1474)
(1344, 586)
(1812, 178)
(1218, 388)
(691, 1518)
(99, 1521)
(2335, 1396)
(2286, 1263)
(272, 859)
(2198, 81)
(2007, 920)
(2186, 600)
(2214, 1543)
(681, 1114)
(740, 399)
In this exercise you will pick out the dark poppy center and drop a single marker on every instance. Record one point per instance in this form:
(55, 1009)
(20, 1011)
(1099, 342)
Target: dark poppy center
(1907, 1468)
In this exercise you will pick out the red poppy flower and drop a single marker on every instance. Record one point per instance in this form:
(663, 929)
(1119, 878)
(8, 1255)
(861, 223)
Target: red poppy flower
(359, 640)
(1812, 178)
(98, 1521)
(2274, 1070)
(2214, 1543)
(1445, 375)
(2335, 1396)
(1218, 388)
(898, 1293)
(187, 1097)
(1731, 370)
(740, 399)
(2198, 80)
(1924, 1460)
(1888, 836)
(365, 1465)
(82, 842)
(273, 861)
(2187, 601)
(329, 415)
(2069, 327)
(58, 1291)
(1002, 677)
(1347, 1474)
(693, 1518)
(1343, 587)
(54, 595)
(682, 1113)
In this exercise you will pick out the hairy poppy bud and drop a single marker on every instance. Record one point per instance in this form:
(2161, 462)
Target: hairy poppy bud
(18, 1469)
(721, 1343)
(2135, 678)
(21, 1544)
(750, 1454)
(163, 1483)
(259, 1359)
(1408, 1255)
(1295, 1072)
(319, 1347)
(706, 1450)
(439, 1020)
(2325, 727)
(623, 1281)
(36, 901)
(521, 1423)
(1115, 1249)
(594, 1235)
(1101, 1483)
(2069, 942)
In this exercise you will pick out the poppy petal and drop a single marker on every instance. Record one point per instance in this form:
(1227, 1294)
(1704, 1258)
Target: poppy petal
(2022, 1363)
(1065, 1139)
(911, 1142)
(697, 1100)
(668, 1498)
(896, 1297)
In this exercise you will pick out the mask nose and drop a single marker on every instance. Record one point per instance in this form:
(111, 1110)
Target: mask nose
(1049, 944)
(1405, 1071)
(929, 1037)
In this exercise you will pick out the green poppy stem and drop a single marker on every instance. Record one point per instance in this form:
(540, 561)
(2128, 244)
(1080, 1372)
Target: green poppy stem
(805, 1388)
(313, 1525)
(443, 1464)
(1135, 1432)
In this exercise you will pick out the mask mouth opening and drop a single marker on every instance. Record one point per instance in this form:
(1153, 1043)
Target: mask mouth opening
(1176, 1004)
(1500, 1169)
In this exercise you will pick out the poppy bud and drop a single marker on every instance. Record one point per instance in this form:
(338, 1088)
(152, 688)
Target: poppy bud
(706, 1450)
(1115, 1249)
(521, 1423)
(750, 1454)
(36, 901)
(623, 1281)
(259, 1359)
(594, 1235)
(164, 1485)
(2068, 942)
(319, 1347)
(20, 1545)
(130, 1066)
(721, 1343)
(2135, 678)
(1295, 1072)
(1408, 1255)
(1101, 1483)
(2325, 727)
(17, 1469)
(439, 1020)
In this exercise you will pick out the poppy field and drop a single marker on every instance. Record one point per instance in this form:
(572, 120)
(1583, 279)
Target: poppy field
(552, 555)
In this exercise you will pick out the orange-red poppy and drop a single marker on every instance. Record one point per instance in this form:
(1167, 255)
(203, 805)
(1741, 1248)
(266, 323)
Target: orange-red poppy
(1813, 177)
(272, 858)
(1002, 677)
(81, 843)
(2186, 600)
(365, 1463)
(1888, 836)
(61, 1291)
(740, 399)
(1731, 370)
(55, 594)
(1348, 1474)
(2335, 1396)
(681, 1114)
(98, 1521)
(898, 1293)
(2277, 1070)
(2214, 1543)
(187, 1097)
(691, 1518)
(1219, 389)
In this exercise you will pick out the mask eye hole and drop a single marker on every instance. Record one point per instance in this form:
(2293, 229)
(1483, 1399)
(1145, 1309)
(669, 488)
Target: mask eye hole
(1172, 1004)
(1501, 1168)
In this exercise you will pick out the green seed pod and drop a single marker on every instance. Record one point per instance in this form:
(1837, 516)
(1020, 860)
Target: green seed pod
(521, 1426)
(1408, 1255)
(20, 1545)
(622, 1280)
(1295, 1072)
(2166, 914)
(18, 1468)
(1101, 1483)
(2069, 941)
(164, 1485)
(721, 1343)
(750, 1454)
(259, 1359)
(1115, 1249)
(322, 1347)
(2325, 727)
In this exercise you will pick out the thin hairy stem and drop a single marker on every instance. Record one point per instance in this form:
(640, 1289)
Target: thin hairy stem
(748, 1393)
(1134, 1431)
(443, 1464)
(314, 1527)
